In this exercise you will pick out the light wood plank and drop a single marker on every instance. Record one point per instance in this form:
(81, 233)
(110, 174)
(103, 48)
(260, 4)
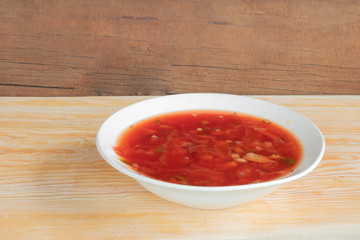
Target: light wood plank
(54, 184)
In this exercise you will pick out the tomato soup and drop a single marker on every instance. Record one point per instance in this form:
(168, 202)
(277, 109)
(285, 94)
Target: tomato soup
(209, 148)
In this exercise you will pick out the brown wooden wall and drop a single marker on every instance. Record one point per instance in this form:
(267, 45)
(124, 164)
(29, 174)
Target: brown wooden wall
(155, 47)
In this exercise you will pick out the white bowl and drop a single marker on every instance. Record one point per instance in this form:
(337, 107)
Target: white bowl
(211, 197)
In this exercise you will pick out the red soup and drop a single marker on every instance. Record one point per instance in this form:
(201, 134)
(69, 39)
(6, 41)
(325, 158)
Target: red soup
(207, 148)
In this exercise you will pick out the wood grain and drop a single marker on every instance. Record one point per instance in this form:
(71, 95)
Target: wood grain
(54, 184)
(159, 47)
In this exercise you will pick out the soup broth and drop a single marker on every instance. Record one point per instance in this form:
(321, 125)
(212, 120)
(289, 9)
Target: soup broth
(209, 148)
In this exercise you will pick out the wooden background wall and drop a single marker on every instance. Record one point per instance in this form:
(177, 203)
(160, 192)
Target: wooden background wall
(157, 47)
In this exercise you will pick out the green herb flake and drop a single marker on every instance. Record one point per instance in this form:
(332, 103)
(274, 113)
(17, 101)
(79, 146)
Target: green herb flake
(266, 121)
(289, 161)
(159, 149)
(158, 121)
(126, 162)
(180, 177)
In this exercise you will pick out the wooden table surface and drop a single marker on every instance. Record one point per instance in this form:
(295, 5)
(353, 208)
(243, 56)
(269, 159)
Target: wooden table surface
(159, 47)
(54, 184)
